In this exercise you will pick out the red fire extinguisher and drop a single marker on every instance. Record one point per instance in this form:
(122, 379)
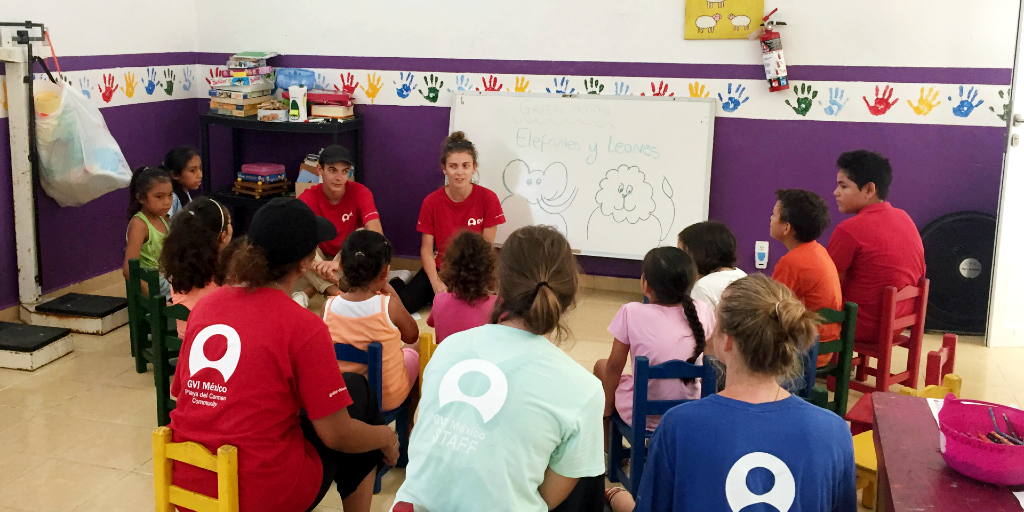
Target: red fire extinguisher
(771, 52)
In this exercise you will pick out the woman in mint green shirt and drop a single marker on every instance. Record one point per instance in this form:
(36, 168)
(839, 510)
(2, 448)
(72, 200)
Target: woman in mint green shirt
(507, 421)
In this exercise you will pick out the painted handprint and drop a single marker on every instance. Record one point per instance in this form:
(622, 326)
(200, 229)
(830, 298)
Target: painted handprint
(348, 83)
(660, 90)
(406, 87)
(522, 84)
(966, 105)
(321, 82)
(186, 84)
(462, 83)
(882, 103)
(804, 99)
(561, 87)
(433, 88)
(214, 73)
(621, 89)
(835, 101)
(108, 88)
(593, 86)
(151, 81)
(83, 83)
(1006, 106)
(926, 102)
(129, 84)
(697, 91)
(169, 81)
(491, 84)
(372, 86)
(732, 103)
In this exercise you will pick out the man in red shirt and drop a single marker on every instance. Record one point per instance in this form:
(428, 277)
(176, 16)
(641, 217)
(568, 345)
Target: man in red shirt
(799, 218)
(348, 205)
(878, 247)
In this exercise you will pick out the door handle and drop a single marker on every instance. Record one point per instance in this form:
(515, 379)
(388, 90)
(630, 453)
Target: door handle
(1017, 120)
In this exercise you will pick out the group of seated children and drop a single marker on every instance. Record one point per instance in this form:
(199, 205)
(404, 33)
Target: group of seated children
(506, 420)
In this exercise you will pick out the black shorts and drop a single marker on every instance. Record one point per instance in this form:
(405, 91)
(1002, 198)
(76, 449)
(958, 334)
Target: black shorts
(348, 470)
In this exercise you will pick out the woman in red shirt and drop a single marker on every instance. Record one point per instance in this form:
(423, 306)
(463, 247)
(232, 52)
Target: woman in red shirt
(257, 371)
(459, 205)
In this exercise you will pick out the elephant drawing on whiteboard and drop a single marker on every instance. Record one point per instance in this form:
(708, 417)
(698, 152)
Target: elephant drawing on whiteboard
(536, 196)
(630, 209)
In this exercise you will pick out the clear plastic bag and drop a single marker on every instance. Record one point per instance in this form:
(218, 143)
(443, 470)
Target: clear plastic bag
(79, 159)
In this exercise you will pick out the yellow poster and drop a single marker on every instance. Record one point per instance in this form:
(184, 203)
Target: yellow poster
(722, 19)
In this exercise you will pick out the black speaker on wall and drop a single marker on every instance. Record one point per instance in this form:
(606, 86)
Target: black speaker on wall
(958, 250)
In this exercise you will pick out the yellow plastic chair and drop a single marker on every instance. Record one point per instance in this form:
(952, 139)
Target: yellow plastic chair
(950, 384)
(225, 464)
(864, 443)
(427, 347)
(867, 467)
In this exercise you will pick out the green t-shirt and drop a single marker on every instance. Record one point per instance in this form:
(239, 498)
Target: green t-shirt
(149, 254)
(499, 406)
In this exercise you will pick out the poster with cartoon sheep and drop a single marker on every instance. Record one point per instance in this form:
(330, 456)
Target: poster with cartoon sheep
(617, 175)
(722, 19)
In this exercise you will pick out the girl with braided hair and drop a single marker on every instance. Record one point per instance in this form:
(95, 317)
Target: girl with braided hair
(672, 326)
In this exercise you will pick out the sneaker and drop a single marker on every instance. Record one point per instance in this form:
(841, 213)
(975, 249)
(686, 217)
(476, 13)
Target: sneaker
(404, 275)
(301, 298)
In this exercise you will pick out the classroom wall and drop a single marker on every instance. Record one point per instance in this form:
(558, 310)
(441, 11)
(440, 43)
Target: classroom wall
(943, 162)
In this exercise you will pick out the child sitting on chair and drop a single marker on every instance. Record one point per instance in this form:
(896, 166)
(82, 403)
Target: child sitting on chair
(370, 311)
(191, 259)
(468, 273)
(713, 248)
(672, 326)
(799, 218)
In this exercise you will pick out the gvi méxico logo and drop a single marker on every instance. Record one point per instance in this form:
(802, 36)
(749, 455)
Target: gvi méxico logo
(475, 222)
(781, 495)
(225, 365)
(487, 404)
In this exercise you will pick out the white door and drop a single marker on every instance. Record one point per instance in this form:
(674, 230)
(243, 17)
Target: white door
(1006, 307)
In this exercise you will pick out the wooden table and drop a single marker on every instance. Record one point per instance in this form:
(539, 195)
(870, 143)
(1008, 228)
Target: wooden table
(911, 473)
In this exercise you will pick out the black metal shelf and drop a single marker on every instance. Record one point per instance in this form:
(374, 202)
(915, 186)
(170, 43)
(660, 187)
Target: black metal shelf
(239, 124)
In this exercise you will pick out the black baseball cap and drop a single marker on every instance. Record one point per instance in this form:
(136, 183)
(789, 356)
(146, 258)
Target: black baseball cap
(333, 154)
(287, 230)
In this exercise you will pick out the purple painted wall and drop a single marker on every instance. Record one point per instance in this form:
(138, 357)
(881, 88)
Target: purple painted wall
(8, 256)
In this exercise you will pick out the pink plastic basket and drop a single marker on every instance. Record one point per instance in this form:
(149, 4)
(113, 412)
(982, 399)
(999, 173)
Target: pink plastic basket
(263, 169)
(959, 421)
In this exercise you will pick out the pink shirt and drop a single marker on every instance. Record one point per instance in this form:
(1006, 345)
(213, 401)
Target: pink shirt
(660, 333)
(450, 315)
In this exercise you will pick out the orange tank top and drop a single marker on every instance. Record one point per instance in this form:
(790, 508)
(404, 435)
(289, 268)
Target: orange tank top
(360, 332)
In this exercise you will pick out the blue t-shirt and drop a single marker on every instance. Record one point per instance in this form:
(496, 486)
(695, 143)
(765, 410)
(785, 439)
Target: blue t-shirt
(723, 454)
(499, 407)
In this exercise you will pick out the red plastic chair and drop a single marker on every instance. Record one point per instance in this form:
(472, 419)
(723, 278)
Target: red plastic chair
(940, 364)
(891, 335)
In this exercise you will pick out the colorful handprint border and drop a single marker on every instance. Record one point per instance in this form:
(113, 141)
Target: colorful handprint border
(914, 103)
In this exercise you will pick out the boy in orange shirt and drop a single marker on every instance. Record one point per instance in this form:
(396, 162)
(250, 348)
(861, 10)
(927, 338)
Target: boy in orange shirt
(799, 218)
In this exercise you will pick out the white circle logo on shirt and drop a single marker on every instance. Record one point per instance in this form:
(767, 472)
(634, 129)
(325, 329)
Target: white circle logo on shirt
(487, 404)
(475, 222)
(346, 217)
(225, 365)
(738, 494)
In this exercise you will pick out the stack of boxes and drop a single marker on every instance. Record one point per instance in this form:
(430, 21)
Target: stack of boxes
(248, 81)
(261, 180)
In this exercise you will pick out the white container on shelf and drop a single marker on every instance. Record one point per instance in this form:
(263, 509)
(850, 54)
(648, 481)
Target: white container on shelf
(297, 110)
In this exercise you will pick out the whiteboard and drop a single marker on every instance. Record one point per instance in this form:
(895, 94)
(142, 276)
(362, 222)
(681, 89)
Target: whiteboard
(618, 175)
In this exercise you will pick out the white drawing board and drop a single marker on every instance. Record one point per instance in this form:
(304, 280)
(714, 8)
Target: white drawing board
(617, 175)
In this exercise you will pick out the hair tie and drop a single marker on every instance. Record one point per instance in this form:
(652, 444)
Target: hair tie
(359, 253)
(777, 316)
(192, 213)
(537, 289)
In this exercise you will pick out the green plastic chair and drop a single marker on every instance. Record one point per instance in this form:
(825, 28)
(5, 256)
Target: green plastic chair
(138, 311)
(164, 352)
(837, 373)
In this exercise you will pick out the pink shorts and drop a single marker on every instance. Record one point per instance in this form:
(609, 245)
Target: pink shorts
(412, 364)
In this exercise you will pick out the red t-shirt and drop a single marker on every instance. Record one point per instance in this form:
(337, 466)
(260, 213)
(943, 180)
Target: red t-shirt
(810, 274)
(878, 247)
(444, 218)
(355, 209)
(249, 362)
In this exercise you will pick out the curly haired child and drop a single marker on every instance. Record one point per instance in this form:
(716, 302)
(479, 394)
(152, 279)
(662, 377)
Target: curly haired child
(468, 273)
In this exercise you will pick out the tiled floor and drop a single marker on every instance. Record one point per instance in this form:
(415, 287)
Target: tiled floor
(75, 434)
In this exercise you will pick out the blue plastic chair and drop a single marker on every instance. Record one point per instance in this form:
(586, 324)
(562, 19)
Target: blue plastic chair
(637, 434)
(373, 358)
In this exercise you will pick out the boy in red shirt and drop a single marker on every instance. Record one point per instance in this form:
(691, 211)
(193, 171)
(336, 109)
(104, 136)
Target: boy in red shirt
(348, 205)
(878, 247)
(799, 218)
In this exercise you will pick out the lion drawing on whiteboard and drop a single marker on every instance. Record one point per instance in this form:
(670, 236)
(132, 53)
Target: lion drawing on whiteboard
(628, 204)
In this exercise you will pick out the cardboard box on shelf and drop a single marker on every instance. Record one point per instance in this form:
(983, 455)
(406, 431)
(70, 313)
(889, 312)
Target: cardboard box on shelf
(308, 176)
